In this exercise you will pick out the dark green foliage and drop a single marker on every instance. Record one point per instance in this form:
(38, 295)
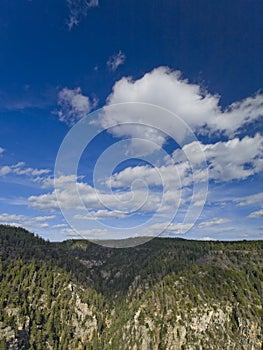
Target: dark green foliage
(79, 295)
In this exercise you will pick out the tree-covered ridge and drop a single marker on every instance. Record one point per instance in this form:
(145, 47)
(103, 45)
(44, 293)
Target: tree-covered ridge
(165, 294)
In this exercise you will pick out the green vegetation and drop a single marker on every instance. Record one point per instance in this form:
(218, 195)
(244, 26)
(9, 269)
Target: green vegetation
(165, 294)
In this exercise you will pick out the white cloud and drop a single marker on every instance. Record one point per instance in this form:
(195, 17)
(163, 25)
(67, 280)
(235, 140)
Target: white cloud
(11, 218)
(171, 176)
(22, 170)
(226, 161)
(22, 219)
(73, 105)
(100, 214)
(60, 226)
(237, 158)
(82, 202)
(38, 224)
(90, 234)
(79, 9)
(4, 170)
(44, 225)
(68, 194)
(249, 200)
(167, 229)
(68, 232)
(44, 202)
(178, 228)
(1, 151)
(256, 214)
(166, 88)
(213, 222)
(239, 113)
(116, 60)
(9, 223)
(44, 218)
(207, 238)
(233, 159)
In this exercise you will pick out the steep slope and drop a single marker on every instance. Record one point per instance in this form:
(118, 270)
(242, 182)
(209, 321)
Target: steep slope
(165, 294)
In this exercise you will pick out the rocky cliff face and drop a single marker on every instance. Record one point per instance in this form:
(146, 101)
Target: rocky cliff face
(167, 294)
(173, 316)
(201, 328)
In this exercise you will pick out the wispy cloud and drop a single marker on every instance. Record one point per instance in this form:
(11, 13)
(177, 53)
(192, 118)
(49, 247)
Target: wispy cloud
(44, 218)
(60, 226)
(115, 61)
(256, 214)
(100, 214)
(167, 229)
(73, 105)
(5, 217)
(215, 221)
(26, 221)
(78, 9)
(21, 169)
(250, 200)
(1, 151)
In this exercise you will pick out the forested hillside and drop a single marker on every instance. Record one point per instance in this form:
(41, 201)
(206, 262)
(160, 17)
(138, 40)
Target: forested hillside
(165, 294)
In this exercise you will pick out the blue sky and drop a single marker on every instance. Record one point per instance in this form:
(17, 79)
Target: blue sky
(174, 66)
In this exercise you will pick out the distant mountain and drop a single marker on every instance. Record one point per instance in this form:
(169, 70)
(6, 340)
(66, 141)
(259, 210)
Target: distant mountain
(166, 294)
